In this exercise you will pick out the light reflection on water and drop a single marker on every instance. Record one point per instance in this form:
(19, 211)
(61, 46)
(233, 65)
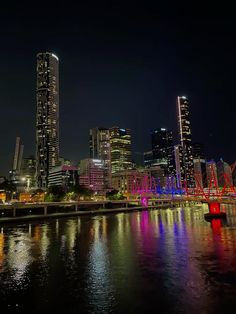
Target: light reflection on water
(170, 259)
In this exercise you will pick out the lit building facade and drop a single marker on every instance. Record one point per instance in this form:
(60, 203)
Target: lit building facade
(158, 173)
(211, 169)
(224, 174)
(162, 149)
(125, 181)
(28, 169)
(148, 159)
(47, 116)
(63, 161)
(198, 151)
(179, 166)
(234, 174)
(92, 175)
(184, 130)
(199, 165)
(120, 143)
(200, 172)
(65, 176)
(15, 172)
(99, 142)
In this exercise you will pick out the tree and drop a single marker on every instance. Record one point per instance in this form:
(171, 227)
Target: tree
(80, 191)
(114, 195)
(55, 193)
(8, 187)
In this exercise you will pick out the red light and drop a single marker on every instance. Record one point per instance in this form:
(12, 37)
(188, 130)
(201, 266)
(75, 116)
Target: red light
(214, 208)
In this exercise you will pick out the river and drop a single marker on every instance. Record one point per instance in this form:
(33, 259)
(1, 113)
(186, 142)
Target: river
(158, 261)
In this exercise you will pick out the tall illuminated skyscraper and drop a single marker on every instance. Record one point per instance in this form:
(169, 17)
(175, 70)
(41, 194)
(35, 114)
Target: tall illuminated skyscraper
(120, 141)
(99, 142)
(47, 116)
(162, 149)
(185, 140)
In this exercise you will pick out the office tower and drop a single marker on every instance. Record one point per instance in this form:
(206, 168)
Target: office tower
(99, 142)
(148, 159)
(198, 150)
(28, 170)
(212, 180)
(17, 160)
(120, 141)
(63, 161)
(184, 131)
(17, 147)
(92, 175)
(233, 168)
(64, 175)
(127, 181)
(200, 172)
(47, 116)
(224, 174)
(199, 165)
(162, 149)
(179, 166)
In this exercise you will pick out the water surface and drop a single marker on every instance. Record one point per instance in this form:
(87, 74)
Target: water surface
(159, 261)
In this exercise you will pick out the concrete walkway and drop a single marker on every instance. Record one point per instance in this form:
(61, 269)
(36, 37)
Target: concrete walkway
(82, 213)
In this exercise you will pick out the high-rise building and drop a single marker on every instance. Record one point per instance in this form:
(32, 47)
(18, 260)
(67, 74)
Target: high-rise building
(199, 165)
(125, 181)
(17, 161)
(100, 149)
(28, 170)
(92, 174)
(148, 159)
(64, 175)
(185, 138)
(120, 141)
(47, 116)
(162, 149)
(234, 174)
(224, 174)
(179, 166)
(198, 151)
(211, 170)
(63, 161)
(200, 172)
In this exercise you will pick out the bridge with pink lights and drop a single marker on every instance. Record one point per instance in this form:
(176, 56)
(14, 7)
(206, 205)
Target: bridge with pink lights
(148, 187)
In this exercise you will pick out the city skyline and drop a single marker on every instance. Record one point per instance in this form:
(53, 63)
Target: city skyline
(133, 84)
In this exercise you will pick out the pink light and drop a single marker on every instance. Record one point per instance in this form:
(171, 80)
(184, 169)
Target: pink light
(144, 201)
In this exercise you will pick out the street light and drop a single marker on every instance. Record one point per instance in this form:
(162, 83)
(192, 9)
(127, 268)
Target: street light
(27, 182)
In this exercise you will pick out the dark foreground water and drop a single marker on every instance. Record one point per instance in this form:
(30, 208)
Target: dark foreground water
(162, 261)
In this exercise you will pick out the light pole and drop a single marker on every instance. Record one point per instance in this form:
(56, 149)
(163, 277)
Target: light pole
(27, 183)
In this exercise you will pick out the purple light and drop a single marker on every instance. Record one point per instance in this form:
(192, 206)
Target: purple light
(144, 201)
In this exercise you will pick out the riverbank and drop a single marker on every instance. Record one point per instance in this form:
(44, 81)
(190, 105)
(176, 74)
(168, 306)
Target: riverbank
(100, 211)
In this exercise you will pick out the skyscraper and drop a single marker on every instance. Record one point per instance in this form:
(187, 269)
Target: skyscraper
(224, 174)
(47, 116)
(179, 167)
(100, 149)
(162, 149)
(28, 169)
(199, 164)
(185, 138)
(16, 168)
(120, 141)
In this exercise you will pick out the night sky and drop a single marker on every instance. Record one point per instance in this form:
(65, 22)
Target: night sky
(121, 63)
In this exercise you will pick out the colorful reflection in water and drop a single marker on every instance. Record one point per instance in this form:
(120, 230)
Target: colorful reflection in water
(167, 261)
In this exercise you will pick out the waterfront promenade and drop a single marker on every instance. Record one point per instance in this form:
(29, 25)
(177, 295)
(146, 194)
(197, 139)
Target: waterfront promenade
(30, 211)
